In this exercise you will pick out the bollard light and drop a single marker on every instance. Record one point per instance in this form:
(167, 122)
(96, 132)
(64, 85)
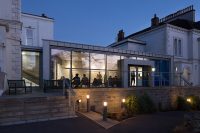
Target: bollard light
(188, 100)
(88, 103)
(88, 96)
(78, 104)
(105, 104)
(123, 103)
(123, 100)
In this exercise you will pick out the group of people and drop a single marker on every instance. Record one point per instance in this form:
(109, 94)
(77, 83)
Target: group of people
(76, 81)
(113, 81)
(97, 81)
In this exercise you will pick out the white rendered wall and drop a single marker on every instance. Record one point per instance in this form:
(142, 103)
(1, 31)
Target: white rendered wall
(155, 40)
(131, 46)
(43, 28)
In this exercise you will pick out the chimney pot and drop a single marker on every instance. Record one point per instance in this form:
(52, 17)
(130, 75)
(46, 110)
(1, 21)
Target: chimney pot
(155, 21)
(120, 35)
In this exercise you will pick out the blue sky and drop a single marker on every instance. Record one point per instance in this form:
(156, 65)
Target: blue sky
(97, 22)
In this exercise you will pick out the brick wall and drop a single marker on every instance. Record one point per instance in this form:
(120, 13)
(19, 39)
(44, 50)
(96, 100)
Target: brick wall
(166, 97)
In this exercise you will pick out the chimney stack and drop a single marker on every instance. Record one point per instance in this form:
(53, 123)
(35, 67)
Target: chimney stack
(154, 21)
(43, 15)
(120, 36)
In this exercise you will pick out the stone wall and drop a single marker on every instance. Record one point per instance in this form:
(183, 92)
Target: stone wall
(163, 97)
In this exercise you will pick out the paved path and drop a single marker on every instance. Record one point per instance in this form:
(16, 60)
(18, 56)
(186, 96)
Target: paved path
(97, 118)
(154, 123)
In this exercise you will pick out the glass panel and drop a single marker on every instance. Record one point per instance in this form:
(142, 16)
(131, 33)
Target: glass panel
(113, 62)
(80, 78)
(113, 79)
(80, 60)
(139, 74)
(97, 78)
(139, 58)
(97, 61)
(62, 56)
(31, 67)
(60, 63)
(132, 77)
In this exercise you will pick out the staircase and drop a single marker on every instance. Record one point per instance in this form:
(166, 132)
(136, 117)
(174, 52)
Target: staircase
(34, 109)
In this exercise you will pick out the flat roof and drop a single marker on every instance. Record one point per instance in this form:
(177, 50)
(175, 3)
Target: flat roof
(104, 49)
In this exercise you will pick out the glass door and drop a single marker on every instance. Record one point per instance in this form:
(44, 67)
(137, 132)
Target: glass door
(135, 76)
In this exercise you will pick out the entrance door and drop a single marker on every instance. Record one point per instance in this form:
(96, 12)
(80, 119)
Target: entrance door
(135, 75)
(138, 76)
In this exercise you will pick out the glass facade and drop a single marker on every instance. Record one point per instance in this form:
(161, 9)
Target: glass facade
(31, 67)
(89, 69)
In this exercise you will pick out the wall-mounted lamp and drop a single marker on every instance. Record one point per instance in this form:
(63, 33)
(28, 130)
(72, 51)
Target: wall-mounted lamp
(153, 69)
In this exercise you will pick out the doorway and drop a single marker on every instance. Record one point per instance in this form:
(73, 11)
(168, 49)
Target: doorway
(139, 76)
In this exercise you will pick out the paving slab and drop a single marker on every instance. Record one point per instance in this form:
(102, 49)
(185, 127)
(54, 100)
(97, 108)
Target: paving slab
(98, 119)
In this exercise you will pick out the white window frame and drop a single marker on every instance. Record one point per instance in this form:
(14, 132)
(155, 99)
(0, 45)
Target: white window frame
(178, 46)
(29, 38)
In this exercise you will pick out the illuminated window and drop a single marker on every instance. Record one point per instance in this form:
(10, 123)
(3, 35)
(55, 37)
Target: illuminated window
(80, 59)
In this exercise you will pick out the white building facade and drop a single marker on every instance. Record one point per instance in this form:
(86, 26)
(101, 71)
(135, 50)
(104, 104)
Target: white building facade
(176, 35)
(151, 57)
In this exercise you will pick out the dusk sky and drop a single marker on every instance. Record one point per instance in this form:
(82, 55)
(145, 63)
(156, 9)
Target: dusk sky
(97, 22)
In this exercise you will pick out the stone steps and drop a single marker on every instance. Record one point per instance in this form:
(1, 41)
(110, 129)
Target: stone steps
(24, 110)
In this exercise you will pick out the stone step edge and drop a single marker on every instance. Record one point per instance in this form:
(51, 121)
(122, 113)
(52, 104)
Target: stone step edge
(38, 120)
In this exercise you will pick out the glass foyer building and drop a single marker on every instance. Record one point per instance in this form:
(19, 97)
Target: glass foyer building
(94, 66)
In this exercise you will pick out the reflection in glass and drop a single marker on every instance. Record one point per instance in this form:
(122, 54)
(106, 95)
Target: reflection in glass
(31, 67)
(112, 62)
(60, 62)
(97, 61)
(80, 59)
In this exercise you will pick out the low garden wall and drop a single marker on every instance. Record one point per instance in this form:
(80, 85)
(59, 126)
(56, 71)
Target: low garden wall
(164, 98)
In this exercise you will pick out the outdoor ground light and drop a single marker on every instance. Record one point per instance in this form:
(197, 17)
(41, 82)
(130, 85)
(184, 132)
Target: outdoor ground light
(105, 104)
(78, 103)
(123, 103)
(88, 103)
(188, 100)
(79, 100)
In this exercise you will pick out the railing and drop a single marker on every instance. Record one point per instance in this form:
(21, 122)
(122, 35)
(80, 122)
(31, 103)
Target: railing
(140, 79)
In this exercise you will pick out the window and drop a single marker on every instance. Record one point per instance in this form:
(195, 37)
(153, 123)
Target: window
(80, 59)
(29, 37)
(60, 63)
(113, 62)
(177, 47)
(97, 61)
(31, 67)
